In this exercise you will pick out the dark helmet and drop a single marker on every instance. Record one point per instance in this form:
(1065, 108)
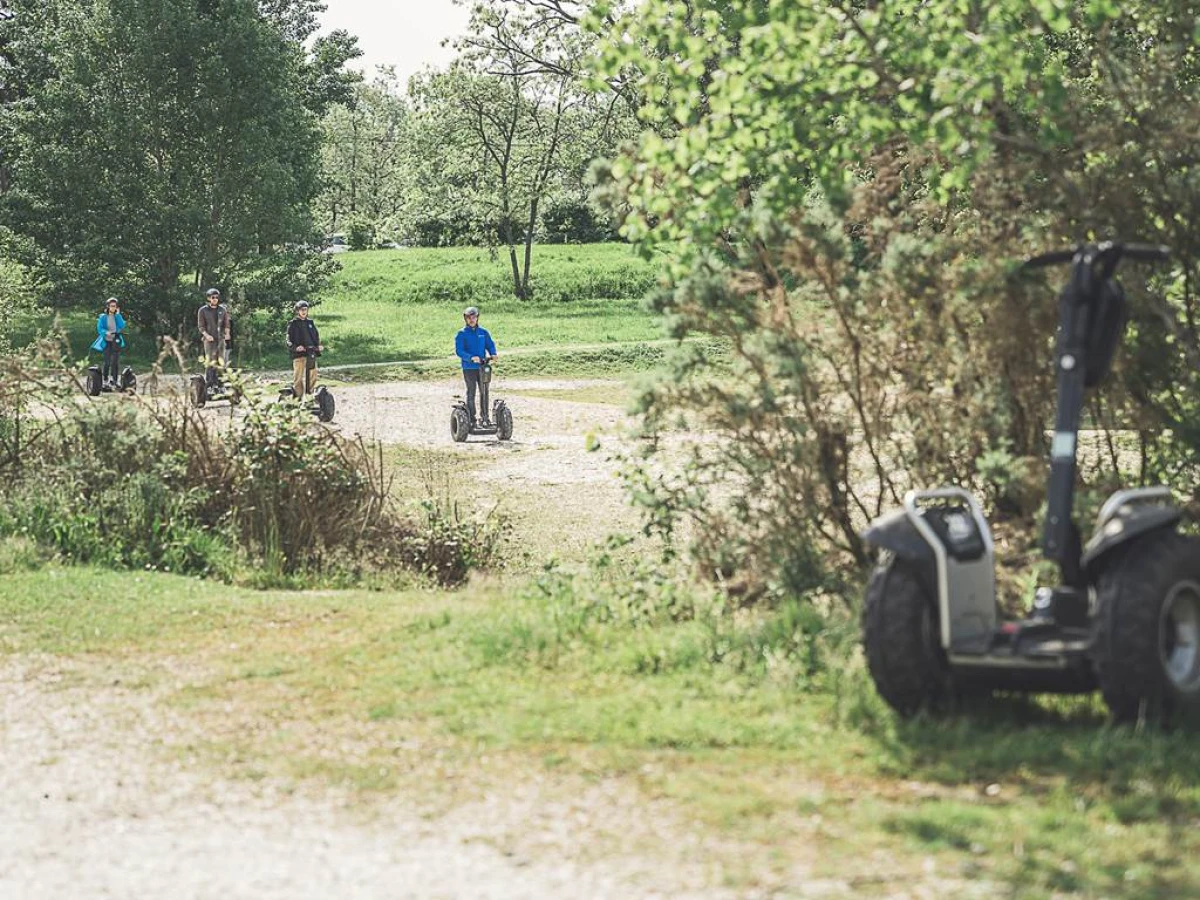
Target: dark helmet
(300, 304)
(212, 292)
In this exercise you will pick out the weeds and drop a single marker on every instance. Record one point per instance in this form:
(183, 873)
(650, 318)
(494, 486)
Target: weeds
(273, 498)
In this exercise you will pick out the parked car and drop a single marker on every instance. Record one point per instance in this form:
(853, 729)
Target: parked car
(335, 243)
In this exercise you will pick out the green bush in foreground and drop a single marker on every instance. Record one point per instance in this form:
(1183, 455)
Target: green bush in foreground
(274, 497)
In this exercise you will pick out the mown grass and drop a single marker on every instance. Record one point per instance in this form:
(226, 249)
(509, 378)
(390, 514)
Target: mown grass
(406, 305)
(382, 692)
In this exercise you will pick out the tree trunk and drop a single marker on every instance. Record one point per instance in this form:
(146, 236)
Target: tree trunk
(529, 228)
(512, 257)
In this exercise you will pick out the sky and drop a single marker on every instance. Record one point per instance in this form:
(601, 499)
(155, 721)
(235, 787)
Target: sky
(404, 33)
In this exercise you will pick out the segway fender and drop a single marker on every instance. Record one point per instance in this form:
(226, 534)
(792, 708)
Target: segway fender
(895, 532)
(1128, 524)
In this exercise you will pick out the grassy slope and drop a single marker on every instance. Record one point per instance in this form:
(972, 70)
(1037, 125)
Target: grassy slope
(328, 685)
(390, 305)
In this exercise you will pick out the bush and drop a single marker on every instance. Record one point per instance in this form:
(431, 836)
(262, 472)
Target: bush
(153, 485)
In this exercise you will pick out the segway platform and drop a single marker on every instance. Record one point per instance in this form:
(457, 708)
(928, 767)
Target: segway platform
(462, 427)
(320, 403)
(95, 384)
(200, 392)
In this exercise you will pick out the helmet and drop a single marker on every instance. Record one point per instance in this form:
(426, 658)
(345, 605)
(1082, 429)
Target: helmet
(212, 292)
(300, 304)
(471, 311)
(111, 300)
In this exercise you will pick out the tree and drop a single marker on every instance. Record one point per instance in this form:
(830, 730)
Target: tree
(363, 145)
(168, 142)
(510, 126)
(847, 186)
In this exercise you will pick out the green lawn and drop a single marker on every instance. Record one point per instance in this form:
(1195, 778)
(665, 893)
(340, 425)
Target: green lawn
(406, 305)
(383, 691)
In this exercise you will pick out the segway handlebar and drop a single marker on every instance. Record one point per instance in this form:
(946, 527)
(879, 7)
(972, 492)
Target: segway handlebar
(1140, 252)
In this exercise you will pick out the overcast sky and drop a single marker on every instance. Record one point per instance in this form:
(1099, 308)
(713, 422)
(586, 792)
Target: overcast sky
(406, 34)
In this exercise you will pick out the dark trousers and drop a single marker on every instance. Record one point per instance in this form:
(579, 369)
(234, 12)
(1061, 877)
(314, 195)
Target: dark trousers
(473, 380)
(112, 360)
(214, 352)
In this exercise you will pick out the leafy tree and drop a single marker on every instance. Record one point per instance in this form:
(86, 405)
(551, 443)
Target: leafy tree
(847, 186)
(510, 127)
(168, 142)
(363, 146)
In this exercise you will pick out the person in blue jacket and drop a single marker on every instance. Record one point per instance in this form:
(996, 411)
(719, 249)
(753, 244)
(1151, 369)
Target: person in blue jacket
(474, 346)
(110, 340)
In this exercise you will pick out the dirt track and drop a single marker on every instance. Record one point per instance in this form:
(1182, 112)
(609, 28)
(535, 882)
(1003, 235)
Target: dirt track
(93, 806)
(549, 435)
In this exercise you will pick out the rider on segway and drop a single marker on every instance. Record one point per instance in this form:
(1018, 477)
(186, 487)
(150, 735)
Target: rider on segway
(110, 340)
(475, 348)
(304, 346)
(213, 321)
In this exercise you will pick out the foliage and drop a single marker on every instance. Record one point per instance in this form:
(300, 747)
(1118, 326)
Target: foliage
(451, 542)
(362, 160)
(150, 156)
(509, 127)
(152, 485)
(360, 234)
(850, 187)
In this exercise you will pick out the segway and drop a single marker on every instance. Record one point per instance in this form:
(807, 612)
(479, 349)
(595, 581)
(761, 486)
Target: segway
(200, 392)
(320, 403)
(95, 384)
(462, 424)
(1125, 615)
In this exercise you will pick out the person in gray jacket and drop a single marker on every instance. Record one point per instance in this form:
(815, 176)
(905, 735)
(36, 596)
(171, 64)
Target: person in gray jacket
(213, 321)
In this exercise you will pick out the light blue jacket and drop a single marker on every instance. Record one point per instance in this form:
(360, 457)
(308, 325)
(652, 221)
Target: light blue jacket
(473, 342)
(102, 331)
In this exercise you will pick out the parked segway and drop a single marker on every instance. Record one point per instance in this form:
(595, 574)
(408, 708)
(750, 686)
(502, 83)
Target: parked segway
(462, 425)
(1125, 616)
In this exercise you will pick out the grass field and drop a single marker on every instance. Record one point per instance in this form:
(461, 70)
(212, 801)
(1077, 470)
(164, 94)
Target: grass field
(406, 305)
(438, 695)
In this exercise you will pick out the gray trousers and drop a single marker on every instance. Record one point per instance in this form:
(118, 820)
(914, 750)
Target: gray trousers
(474, 381)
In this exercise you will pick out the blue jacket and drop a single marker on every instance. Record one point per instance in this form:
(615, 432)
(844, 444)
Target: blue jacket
(102, 332)
(473, 342)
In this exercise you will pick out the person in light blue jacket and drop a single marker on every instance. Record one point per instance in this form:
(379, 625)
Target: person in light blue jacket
(474, 347)
(110, 339)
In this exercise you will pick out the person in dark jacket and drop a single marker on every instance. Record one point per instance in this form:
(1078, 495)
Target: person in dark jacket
(110, 340)
(304, 345)
(213, 321)
(474, 346)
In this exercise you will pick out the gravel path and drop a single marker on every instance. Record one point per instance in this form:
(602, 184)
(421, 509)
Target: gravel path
(549, 443)
(92, 807)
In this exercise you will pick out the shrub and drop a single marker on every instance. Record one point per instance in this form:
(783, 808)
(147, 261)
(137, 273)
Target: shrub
(154, 485)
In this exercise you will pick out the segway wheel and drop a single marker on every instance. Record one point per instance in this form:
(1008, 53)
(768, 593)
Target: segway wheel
(128, 379)
(900, 637)
(502, 416)
(460, 424)
(95, 381)
(197, 391)
(325, 405)
(1148, 630)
